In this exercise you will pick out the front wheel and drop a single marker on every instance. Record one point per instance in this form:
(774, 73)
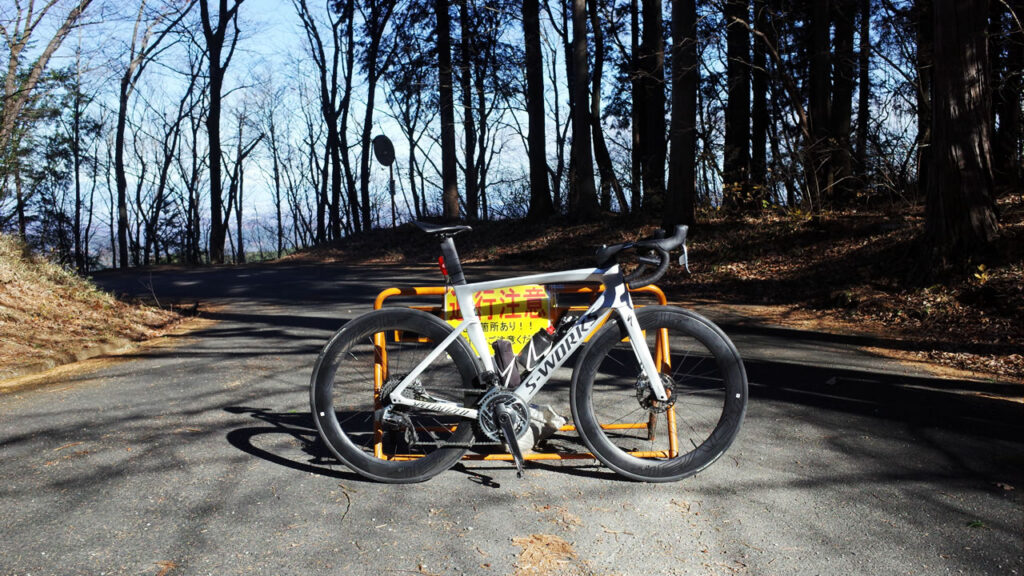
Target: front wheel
(351, 386)
(633, 433)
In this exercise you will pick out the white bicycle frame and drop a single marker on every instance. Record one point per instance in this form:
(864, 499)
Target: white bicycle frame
(614, 298)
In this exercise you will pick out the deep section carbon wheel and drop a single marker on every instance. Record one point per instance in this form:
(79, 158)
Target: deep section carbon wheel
(352, 381)
(633, 433)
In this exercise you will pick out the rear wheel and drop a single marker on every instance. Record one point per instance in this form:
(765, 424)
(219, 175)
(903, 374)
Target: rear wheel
(354, 376)
(633, 433)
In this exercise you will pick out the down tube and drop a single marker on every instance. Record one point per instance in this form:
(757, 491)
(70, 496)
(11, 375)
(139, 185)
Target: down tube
(561, 352)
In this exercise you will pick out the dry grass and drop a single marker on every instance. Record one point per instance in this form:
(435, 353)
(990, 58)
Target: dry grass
(544, 555)
(50, 316)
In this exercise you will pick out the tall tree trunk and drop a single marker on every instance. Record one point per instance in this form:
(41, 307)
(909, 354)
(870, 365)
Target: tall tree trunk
(276, 160)
(19, 194)
(216, 36)
(540, 193)
(138, 56)
(76, 156)
(863, 93)
(192, 226)
(377, 21)
(759, 107)
(819, 157)
(652, 108)
(135, 245)
(636, 157)
(119, 171)
(322, 212)
(736, 162)
(239, 244)
(480, 170)
(571, 199)
(841, 112)
(960, 214)
(925, 71)
(468, 125)
(682, 178)
(352, 219)
(218, 228)
(584, 189)
(334, 218)
(364, 160)
(449, 178)
(609, 182)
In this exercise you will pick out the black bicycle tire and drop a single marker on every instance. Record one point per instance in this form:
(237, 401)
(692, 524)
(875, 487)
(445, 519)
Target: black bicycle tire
(322, 405)
(656, 470)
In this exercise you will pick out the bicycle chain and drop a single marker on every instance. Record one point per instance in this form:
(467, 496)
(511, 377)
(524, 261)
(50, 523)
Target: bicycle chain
(385, 397)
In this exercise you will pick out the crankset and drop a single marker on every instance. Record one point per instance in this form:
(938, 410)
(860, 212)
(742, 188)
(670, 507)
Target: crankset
(505, 417)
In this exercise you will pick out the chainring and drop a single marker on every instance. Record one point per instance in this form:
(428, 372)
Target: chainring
(488, 418)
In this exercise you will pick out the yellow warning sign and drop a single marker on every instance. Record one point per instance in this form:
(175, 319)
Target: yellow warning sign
(515, 313)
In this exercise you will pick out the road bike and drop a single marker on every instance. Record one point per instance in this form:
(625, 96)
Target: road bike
(658, 393)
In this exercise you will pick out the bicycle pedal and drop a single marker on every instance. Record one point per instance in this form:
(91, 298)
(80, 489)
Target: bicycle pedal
(507, 432)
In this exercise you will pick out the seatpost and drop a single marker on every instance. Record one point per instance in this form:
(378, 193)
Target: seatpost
(451, 262)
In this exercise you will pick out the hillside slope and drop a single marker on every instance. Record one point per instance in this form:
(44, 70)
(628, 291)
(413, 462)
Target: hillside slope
(49, 316)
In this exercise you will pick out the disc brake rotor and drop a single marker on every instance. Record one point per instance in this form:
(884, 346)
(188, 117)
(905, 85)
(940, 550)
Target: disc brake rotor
(648, 401)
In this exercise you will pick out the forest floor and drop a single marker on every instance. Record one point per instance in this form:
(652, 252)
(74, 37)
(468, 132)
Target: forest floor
(851, 272)
(50, 317)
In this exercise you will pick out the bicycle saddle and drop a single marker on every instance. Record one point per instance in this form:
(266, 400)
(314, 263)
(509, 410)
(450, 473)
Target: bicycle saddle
(442, 229)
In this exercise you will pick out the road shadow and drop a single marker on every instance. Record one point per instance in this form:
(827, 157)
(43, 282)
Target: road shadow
(978, 408)
(736, 325)
(281, 322)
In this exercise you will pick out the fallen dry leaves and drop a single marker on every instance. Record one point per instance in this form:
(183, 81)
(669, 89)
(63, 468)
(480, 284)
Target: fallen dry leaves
(543, 554)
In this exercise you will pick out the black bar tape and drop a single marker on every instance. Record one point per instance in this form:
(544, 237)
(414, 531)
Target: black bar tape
(639, 278)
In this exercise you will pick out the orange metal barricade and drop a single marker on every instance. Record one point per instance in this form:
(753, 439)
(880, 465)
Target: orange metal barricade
(661, 357)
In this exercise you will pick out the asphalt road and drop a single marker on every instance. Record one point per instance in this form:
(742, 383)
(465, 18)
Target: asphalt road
(201, 458)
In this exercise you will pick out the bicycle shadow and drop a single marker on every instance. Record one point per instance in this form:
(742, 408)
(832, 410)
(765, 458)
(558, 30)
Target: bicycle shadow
(298, 426)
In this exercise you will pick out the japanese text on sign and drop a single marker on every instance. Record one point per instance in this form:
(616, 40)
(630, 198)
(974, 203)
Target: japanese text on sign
(514, 313)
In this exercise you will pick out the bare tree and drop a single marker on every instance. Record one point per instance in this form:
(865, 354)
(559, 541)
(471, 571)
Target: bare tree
(269, 105)
(216, 31)
(236, 182)
(376, 15)
(145, 44)
(18, 34)
(609, 181)
(327, 58)
(864, 90)
(168, 148)
(409, 104)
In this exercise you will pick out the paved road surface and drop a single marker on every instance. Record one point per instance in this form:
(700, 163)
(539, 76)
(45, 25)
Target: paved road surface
(200, 458)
